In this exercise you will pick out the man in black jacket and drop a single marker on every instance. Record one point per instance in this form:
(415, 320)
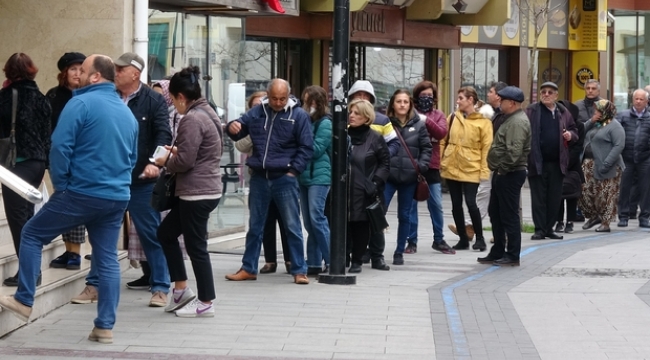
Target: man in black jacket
(151, 112)
(636, 155)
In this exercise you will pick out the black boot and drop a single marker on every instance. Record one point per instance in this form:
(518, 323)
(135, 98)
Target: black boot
(380, 264)
(479, 244)
(355, 268)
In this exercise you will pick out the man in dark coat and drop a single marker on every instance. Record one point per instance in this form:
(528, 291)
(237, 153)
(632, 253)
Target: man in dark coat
(553, 130)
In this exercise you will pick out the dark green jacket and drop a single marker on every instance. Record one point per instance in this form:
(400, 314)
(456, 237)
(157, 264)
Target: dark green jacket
(319, 168)
(511, 144)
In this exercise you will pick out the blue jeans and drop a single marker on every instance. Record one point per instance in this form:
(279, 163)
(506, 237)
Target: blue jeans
(405, 194)
(64, 211)
(312, 204)
(284, 191)
(146, 221)
(434, 203)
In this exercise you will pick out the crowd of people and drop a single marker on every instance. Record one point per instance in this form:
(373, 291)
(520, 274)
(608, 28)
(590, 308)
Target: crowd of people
(585, 154)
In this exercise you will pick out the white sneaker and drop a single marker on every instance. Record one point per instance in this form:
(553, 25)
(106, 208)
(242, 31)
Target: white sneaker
(196, 309)
(179, 299)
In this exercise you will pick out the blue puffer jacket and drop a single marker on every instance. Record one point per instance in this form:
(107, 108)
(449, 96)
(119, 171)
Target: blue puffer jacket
(319, 170)
(282, 141)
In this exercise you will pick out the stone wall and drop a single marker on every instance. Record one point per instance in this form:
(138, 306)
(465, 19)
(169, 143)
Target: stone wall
(45, 30)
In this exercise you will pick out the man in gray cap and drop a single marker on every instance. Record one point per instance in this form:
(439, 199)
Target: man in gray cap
(552, 129)
(507, 158)
(150, 109)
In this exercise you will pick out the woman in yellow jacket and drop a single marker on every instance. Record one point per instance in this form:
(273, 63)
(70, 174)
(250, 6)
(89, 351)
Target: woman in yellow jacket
(464, 161)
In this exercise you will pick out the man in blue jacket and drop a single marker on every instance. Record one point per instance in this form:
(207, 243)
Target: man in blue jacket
(94, 150)
(281, 134)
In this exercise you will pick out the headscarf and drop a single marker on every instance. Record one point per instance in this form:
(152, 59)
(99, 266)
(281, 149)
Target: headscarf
(164, 85)
(607, 109)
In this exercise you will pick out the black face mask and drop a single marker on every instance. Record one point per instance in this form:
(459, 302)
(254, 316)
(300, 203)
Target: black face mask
(424, 103)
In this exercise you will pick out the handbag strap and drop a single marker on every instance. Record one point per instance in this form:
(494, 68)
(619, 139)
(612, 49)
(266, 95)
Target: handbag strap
(408, 152)
(14, 108)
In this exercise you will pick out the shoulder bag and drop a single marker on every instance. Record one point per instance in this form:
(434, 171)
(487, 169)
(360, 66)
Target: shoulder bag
(8, 144)
(377, 217)
(163, 196)
(422, 187)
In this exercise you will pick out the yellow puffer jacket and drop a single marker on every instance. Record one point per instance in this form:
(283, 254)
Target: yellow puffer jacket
(464, 155)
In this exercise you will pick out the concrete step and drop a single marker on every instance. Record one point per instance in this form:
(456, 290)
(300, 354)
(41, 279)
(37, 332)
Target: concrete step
(57, 288)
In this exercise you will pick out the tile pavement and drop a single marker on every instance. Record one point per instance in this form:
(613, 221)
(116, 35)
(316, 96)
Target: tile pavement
(583, 297)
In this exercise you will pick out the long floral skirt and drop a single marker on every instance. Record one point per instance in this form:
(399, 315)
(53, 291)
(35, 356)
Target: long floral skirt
(599, 197)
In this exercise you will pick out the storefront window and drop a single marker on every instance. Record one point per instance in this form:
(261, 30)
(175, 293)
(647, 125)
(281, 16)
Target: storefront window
(631, 62)
(479, 69)
(216, 45)
(552, 66)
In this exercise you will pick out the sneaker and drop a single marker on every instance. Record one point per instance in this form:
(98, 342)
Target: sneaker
(74, 261)
(102, 336)
(158, 299)
(12, 281)
(568, 229)
(196, 309)
(16, 307)
(87, 296)
(443, 247)
(559, 227)
(179, 299)
(411, 248)
(398, 259)
(61, 262)
(139, 284)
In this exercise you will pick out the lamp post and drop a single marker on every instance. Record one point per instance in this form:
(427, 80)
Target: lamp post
(339, 190)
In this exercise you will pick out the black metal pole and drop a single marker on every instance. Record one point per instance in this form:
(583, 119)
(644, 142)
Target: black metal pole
(339, 209)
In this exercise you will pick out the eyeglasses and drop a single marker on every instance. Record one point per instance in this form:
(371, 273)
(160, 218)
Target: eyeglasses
(547, 92)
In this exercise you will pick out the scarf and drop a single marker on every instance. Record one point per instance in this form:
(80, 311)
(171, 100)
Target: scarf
(164, 84)
(608, 111)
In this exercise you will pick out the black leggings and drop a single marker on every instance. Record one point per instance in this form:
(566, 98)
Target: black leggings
(457, 189)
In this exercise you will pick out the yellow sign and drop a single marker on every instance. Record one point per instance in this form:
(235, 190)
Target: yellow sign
(584, 66)
(588, 25)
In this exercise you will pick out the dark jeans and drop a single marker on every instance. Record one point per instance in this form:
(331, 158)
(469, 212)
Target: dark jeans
(546, 196)
(458, 189)
(269, 239)
(357, 239)
(633, 191)
(571, 210)
(189, 218)
(18, 210)
(504, 214)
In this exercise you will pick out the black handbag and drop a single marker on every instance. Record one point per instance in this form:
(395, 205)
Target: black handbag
(162, 197)
(422, 187)
(8, 144)
(377, 217)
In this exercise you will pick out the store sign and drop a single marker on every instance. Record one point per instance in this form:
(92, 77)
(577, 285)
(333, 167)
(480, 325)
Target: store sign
(553, 74)
(587, 25)
(372, 22)
(376, 23)
(584, 74)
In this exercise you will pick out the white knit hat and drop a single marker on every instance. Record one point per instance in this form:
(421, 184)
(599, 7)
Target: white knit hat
(362, 85)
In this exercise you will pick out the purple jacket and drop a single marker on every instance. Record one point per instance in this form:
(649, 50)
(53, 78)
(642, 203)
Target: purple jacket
(566, 122)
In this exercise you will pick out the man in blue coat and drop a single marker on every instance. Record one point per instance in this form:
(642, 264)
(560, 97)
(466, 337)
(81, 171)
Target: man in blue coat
(94, 150)
(281, 134)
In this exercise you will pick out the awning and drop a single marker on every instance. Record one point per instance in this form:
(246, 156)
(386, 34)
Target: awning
(226, 7)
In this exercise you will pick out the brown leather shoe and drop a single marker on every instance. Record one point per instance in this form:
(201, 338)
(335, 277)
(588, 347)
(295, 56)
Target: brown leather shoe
(268, 268)
(241, 275)
(470, 232)
(453, 229)
(301, 279)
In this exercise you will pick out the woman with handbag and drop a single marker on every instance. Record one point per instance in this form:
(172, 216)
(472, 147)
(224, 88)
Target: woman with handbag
(464, 161)
(369, 170)
(196, 154)
(602, 165)
(407, 165)
(30, 122)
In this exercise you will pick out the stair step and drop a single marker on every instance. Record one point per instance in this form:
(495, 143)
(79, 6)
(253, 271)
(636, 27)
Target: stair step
(58, 287)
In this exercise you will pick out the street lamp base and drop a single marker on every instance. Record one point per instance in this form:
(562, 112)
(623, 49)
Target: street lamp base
(337, 279)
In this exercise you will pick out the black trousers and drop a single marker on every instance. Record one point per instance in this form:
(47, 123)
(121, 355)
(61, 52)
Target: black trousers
(269, 238)
(18, 210)
(504, 214)
(189, 218)
(634, 190)
(571, 210)
(358, 236)
(546, 196)
(456, 190)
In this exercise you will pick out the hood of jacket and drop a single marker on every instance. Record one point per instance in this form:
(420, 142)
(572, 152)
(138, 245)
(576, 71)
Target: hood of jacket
(487, 111)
